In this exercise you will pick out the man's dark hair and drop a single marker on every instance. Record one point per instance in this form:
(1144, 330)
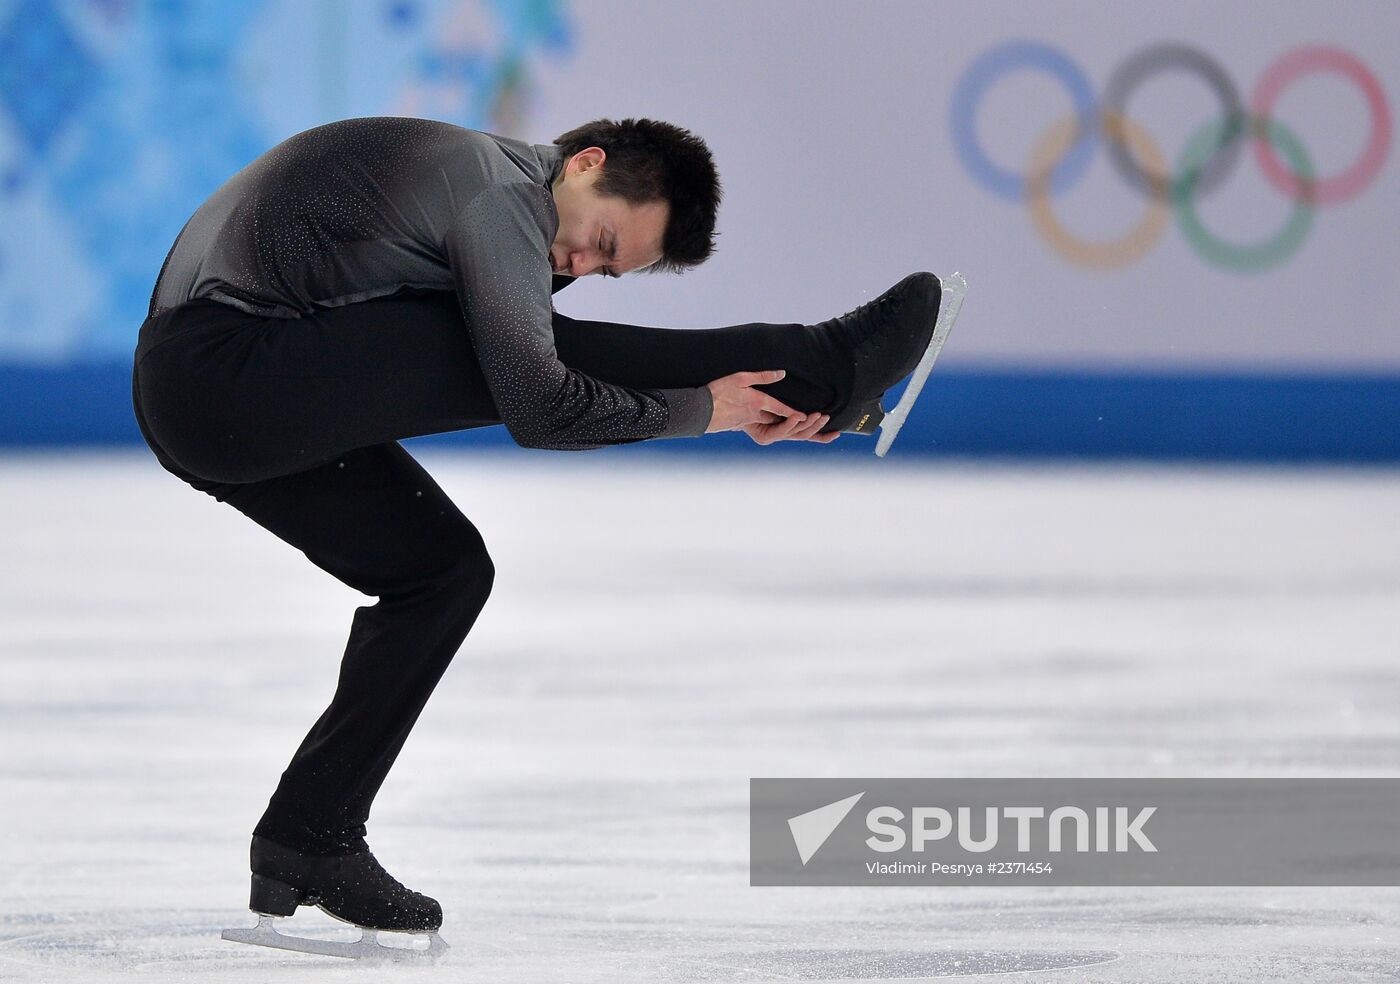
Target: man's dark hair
(650, 160)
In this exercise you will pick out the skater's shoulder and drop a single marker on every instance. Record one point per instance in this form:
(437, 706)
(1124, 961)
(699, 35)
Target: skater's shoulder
(406, 138)
(507, 159)
(366, 131)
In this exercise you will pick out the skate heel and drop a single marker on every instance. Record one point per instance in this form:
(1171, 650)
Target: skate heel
(867, 418)
(273, 898)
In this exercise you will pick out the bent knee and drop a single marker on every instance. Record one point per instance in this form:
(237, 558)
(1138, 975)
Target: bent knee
(465, 581)
(475, 573)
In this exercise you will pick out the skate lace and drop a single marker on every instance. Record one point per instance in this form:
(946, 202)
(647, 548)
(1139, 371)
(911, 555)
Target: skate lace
(386, 879)
(861, 327)
(372, 871)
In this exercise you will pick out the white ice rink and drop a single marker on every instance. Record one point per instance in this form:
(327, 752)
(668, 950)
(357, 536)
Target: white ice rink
(663, 629)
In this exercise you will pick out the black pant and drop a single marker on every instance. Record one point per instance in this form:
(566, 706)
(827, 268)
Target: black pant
(295, 423)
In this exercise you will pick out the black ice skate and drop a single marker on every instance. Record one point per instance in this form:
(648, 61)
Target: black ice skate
(354, 888)
(898, 333)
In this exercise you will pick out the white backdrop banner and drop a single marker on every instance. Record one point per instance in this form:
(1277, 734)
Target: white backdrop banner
(1193, 185)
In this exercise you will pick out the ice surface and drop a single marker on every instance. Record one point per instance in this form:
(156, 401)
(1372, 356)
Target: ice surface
(662, 630)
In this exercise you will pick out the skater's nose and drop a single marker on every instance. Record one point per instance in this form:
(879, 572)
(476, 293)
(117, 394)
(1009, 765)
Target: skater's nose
(582, 265)
(581, 262)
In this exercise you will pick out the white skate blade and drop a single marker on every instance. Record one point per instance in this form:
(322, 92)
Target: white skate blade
(367, 947)
(950, 303)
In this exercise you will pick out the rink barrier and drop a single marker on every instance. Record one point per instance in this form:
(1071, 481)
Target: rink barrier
(1304, 417)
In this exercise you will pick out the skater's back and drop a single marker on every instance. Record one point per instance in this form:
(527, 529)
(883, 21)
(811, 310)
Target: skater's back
(345, 212)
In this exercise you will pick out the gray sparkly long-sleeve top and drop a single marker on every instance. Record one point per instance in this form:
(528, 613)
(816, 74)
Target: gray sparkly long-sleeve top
(363, 208)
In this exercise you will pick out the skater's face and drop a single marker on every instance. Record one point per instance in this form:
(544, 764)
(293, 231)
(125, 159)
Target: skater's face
(602, 234)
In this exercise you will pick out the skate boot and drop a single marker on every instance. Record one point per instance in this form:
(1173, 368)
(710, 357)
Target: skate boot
(354, 888)
(884, 340)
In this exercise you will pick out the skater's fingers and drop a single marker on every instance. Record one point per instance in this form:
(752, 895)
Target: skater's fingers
(815, 423)
(765, 402)
(792, 429)
(757, 378)
(772, 433)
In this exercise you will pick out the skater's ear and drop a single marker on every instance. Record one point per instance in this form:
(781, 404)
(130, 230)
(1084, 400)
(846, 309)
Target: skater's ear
(585, 160)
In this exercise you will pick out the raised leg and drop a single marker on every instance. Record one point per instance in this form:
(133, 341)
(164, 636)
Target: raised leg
(233, 398)
(817, 380)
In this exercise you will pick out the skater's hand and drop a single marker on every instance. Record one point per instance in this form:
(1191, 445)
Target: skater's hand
(737, 404)
(792, 429)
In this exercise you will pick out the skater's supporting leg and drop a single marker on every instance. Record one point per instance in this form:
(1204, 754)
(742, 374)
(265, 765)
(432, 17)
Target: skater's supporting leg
(377, 521)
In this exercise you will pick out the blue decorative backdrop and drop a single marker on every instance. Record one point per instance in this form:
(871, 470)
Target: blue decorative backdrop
(120, 118)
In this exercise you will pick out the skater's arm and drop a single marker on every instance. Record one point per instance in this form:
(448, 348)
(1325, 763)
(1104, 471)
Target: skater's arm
(498, 249)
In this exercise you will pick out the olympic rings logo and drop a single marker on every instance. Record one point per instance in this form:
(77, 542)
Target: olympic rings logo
(1065, 150)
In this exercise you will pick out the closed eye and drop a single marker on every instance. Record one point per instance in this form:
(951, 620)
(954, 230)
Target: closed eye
(602, 249)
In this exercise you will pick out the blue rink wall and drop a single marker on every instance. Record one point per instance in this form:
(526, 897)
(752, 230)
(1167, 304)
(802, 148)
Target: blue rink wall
(1207, 417)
